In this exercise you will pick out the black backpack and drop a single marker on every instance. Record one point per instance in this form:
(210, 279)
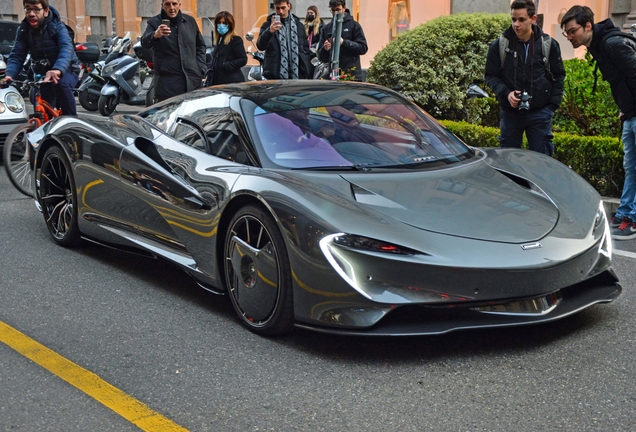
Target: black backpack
(546, 44)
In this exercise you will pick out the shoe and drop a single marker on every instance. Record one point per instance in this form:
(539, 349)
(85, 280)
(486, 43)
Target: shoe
(625, 231)
(616, 221)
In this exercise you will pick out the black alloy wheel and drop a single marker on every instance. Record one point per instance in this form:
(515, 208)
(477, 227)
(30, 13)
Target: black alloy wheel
(257, 272)
(58, 197)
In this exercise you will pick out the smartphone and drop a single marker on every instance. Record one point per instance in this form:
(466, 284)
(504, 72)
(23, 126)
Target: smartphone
(277, 18)
(165, 22)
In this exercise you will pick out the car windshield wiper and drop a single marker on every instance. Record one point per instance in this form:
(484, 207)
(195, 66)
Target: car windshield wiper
(334, 168)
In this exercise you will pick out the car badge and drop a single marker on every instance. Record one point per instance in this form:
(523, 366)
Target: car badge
(531, 246)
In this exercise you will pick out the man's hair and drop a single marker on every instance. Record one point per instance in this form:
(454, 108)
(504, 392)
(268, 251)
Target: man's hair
(277, 2)
(44, 3)
(528, 5)
(336, 3)
(581, 14)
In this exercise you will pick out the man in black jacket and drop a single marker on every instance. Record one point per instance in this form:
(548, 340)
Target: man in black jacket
(528, 86)
(353, 43)
(282, 38)
(615, 55)
(178, 51)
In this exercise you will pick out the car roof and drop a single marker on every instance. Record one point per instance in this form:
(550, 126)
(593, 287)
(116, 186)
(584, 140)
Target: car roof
(278, 95)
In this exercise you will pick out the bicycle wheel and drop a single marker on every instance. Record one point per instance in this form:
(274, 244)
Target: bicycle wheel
(15, 157)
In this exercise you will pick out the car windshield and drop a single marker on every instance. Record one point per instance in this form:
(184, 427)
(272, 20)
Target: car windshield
(361, 135)
(8, 30)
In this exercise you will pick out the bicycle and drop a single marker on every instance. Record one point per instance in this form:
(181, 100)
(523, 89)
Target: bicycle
(16, 147)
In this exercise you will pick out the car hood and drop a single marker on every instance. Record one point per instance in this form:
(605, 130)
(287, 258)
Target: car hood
(474, 201)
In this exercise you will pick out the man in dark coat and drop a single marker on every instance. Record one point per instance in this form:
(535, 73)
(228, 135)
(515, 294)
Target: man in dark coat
(353, 43)
(526, 75)
(615, 55)
(285, 45)
(178, 51)
(46, 38)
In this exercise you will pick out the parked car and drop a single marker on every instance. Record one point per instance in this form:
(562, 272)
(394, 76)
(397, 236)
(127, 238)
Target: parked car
(12, 108)
(333, 206)
(8, 31)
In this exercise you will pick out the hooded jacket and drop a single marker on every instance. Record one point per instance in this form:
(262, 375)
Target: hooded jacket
(616, 58)
(181, 53)
(354, 45)
(531, 76)
(49, 43)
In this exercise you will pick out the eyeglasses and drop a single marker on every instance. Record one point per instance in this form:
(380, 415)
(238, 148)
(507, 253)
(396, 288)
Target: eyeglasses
(34, 10)
(571, 31)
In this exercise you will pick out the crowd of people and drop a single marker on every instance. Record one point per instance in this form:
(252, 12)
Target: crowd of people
(524, 68)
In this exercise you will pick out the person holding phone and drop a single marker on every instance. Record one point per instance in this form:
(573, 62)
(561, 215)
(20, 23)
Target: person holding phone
(178, 51)
(353, 43)
(282, 38)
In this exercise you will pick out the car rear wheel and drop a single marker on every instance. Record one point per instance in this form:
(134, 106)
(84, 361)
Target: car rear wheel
(257, 272)
(58, 197)
(15, 157)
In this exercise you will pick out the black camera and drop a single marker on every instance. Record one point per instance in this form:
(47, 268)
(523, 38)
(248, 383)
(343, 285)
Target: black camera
(524, 105)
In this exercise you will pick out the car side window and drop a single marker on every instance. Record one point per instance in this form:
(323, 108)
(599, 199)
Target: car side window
(189, 135)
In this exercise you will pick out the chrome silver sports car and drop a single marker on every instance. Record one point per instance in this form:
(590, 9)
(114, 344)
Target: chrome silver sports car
(337, 207)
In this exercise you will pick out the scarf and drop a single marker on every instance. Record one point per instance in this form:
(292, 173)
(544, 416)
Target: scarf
(288, 41)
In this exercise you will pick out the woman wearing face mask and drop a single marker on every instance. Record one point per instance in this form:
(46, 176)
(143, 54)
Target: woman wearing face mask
(229, 54)
(313, 25)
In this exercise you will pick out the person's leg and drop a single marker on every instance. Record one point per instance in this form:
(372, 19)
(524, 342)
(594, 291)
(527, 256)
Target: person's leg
(511, 129)
(539, 131)
(64, 93)
(47, 92)
(626, 206)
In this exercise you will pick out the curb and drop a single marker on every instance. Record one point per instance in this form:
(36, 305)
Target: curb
(610, 204)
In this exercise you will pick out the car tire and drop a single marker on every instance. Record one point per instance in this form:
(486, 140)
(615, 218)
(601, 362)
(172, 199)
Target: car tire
(89, 101)
(257, 272)
(15, 157)
(107, 105)
(58, 197)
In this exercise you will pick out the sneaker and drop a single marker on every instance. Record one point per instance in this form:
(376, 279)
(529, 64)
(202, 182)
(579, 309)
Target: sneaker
(625, 231)
(616, 221)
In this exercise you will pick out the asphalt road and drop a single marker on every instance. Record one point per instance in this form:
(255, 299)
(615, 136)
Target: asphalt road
(148, 330)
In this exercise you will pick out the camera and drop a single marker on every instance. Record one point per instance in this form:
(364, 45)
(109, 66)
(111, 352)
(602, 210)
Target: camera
(524, 105)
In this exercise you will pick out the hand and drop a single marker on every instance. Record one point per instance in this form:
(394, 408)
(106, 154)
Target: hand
(53, 76)
(513, 100)
(275, 26)
(7, 79)
(162, 30)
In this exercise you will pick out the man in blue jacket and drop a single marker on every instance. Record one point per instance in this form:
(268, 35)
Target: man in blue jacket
(615, 55)
(46, 38)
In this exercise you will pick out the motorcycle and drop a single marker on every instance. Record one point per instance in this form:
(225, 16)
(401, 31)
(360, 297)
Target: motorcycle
(256, 72)
(123, 84)
(89, 90)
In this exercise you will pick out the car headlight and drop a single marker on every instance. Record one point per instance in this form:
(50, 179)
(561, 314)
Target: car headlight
(369, 244)
(14, 102)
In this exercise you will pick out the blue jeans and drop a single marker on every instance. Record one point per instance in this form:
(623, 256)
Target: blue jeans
(61, 95)
(627, 206)
(536, 124)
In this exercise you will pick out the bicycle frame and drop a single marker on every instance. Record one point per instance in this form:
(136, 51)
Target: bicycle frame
(42, 110)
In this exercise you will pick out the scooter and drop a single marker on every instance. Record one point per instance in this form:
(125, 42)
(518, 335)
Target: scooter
(256, 72)
(90, 90)
(123, 85)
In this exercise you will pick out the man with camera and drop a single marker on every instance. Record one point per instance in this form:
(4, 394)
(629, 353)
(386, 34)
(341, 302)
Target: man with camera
(525, 71)
(46, 38)
(282, 38)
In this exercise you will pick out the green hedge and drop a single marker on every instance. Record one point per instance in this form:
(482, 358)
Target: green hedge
(599, 160)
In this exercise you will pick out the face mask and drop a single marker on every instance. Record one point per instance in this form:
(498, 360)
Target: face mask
(222, 28)
(310, 17)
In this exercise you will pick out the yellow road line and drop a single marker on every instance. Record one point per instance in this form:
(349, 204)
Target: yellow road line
(91, 384)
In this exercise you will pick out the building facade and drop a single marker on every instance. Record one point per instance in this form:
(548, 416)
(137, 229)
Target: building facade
(382, 20)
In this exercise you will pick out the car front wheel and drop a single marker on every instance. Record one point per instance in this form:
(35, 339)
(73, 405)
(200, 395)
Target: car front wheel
(257, 272)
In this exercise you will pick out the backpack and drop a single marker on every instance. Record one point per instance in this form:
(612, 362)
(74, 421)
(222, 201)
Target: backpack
(615, 32)
(546, 44)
